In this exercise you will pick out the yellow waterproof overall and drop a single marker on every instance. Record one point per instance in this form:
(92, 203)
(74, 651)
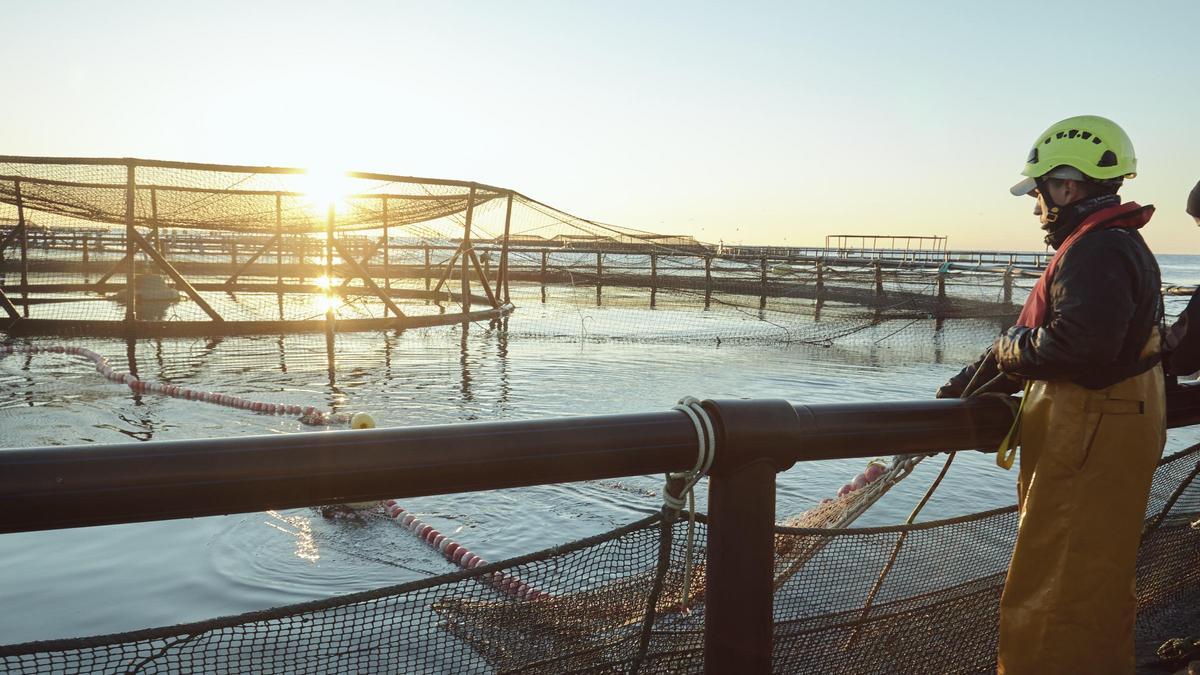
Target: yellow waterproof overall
(1087, 459)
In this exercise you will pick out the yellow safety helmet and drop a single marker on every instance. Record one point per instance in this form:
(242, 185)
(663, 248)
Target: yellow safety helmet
(1079, 148)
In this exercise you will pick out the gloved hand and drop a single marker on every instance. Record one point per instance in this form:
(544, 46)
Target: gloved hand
(953, 387)
(956, 385)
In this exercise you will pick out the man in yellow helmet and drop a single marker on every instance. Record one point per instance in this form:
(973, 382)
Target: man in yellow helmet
(1092, 424)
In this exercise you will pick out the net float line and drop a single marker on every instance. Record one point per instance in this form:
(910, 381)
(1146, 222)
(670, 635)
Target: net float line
(875, 475)
(459, 555)
(309, 415)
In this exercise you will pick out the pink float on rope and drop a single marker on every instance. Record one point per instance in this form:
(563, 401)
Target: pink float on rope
(137, 384)
(459, 555)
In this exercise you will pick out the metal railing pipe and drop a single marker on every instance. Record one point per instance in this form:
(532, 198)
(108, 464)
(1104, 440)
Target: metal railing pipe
(56, 487)
(43, 488)
(73, 486)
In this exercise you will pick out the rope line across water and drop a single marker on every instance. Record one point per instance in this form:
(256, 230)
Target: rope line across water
(458, 554)
(308, 414)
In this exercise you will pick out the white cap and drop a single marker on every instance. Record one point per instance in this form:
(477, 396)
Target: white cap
(1030, 184)
(1024, 187)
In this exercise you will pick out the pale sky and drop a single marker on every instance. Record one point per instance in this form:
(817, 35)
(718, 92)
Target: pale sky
(751, 122)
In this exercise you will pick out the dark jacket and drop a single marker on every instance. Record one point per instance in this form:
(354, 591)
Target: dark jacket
(1105, 299)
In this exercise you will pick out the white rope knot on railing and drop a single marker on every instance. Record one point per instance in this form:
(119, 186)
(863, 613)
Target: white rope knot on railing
(682, 484)
(707, 448)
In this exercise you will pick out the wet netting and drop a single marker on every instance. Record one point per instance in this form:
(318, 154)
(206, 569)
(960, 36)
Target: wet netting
(206, 250)
(910, 599)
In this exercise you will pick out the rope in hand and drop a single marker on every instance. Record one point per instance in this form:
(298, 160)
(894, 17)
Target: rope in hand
(977, 386)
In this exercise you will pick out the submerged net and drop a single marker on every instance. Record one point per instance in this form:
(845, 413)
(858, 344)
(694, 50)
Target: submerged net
(935, 611)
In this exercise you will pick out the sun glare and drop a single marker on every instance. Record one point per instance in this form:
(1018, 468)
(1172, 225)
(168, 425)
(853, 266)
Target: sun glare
(325, 187)
(326, 303)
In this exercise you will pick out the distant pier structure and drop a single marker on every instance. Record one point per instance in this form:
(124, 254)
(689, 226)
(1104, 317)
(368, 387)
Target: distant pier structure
(899, 248)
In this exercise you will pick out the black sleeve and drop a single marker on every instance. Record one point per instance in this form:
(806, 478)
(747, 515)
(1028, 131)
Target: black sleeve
(1182, 350)
(1093, 297)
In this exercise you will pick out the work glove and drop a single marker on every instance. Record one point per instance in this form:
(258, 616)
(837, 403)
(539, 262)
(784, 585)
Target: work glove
(956, 385)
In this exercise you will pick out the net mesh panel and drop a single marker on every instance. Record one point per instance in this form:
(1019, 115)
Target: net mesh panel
(251, 241)
(606, 277)
(936, 611)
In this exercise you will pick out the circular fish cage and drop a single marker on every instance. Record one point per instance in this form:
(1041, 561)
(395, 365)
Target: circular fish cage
(132, 247)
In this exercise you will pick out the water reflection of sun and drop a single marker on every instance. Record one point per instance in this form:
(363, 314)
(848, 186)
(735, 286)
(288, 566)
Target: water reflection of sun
(301, 529)
(325, 283)
(326, 303)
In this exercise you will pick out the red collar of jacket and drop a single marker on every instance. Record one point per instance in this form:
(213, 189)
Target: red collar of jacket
(1128, 215)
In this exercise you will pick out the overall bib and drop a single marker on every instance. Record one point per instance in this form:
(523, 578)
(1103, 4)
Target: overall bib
(1087, 460)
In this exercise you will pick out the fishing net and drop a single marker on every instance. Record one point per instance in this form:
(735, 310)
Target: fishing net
(225, 250)
(575, 278)
(219, 250)
(935, 610)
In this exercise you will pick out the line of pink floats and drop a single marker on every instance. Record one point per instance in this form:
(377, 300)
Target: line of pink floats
(869, 475)
(514, 586)
(458, 554)
(308, 414)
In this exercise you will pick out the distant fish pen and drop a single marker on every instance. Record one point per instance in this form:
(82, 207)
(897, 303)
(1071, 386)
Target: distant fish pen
(212, 250)
(137, 248)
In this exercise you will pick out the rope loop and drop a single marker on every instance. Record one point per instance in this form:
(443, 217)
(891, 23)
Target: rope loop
(706, 451)
(680, 490)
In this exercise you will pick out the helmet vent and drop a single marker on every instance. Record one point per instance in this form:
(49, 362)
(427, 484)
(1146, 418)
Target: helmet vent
(1072, 133)
(1096, 140)
(1109, 158)
(1085, 135)
(1033, 156)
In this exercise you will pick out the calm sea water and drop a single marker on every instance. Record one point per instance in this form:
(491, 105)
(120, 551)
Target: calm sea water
(104, 579)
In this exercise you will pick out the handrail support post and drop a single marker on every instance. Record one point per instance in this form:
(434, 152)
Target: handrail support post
(740, 570)
(754, 438)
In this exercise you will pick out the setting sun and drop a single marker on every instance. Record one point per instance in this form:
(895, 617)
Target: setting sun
(325, 187)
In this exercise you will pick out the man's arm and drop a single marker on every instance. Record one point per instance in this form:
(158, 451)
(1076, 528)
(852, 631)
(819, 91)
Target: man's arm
(1093, 299)
(956, 385)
